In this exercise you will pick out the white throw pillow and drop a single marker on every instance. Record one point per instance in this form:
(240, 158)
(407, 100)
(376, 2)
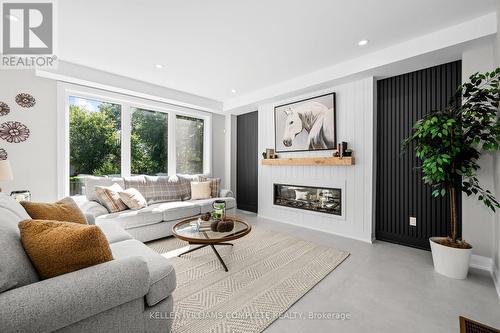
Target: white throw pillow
(200, 190)
(133, 198)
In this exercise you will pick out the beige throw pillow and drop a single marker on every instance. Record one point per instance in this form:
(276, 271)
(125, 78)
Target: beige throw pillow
(214, 185)
(133, 198)
(200, 190)
(109, 198)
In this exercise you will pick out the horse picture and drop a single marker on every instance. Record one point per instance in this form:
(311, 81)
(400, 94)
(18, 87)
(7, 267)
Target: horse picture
(306, 125)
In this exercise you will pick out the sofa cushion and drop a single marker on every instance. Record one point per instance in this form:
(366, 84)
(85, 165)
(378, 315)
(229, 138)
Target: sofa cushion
(160, 188)
(161, 271)
(91, 182)
(134, 218)
(113, 232)
(178, 210)
(90, 209)
(16, 269)
(206, 204)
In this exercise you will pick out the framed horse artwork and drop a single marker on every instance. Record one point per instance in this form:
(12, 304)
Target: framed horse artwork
(306, 125)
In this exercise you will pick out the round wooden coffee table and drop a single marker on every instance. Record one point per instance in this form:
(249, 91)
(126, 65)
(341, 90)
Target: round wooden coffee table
(186, 231)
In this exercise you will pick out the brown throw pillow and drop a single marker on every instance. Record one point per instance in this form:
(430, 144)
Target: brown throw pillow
(62, 210)
(57, 248)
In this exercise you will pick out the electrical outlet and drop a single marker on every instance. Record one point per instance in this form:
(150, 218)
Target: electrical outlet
(413, 221)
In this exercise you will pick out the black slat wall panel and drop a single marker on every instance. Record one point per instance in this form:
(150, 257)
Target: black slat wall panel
(401, 193)
(247, 162)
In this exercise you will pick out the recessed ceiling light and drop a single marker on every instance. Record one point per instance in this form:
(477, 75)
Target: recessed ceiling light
(159, 66)
(363, 42)
(12, 18)
(233, 91)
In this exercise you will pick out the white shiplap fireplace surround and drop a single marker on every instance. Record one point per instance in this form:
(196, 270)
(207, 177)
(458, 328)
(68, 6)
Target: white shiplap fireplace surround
(355, 124)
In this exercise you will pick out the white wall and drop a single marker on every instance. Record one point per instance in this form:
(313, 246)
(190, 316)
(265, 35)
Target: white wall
(477, 220)
(234, 144)
(355, 123)
(34, 161)
(496, 169)
(218, 147)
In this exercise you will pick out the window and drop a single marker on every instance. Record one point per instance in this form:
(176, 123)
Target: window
(95, 143)
(149, 142)
(103, 133)
(189, 134)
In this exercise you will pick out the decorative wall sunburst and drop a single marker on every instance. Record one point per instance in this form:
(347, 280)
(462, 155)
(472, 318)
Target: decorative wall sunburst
(14, 132)
(4, 109)
(25, 100)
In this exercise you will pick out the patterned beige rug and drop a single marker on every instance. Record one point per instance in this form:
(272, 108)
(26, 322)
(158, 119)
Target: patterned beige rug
(268, 272)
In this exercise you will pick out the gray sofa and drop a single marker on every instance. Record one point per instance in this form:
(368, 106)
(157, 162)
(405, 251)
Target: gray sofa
(131, 293)
(154, 221)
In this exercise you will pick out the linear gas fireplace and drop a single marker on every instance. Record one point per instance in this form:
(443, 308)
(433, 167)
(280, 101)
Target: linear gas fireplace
(317, 199)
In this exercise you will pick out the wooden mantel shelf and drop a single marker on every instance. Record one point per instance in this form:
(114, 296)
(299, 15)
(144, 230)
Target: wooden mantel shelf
(321, 161)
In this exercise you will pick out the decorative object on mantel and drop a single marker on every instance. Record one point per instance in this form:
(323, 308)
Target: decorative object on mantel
(3, 154)
(320, 161)
(5, 171)
(25, 100)
(19, 196)
(270, 153)
(4, 109)
(341, 150)
(14, 132)
(306, 125)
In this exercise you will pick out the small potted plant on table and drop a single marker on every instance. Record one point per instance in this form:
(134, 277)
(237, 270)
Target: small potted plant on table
(449, 143)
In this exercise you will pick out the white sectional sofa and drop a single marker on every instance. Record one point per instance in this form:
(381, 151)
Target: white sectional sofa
(154, 221)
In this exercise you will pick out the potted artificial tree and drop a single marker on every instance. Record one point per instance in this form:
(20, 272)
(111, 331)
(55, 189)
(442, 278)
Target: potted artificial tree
(449, 143)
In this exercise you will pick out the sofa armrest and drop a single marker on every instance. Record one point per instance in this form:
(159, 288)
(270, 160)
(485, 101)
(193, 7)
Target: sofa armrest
(66, 299)
(90, 209)
(226, 194)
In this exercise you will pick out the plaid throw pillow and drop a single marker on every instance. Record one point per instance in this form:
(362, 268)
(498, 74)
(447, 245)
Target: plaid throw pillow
(109, 198)
(161, 188)
(214, 185)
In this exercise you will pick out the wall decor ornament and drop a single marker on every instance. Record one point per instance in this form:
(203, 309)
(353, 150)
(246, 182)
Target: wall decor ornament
(3, 154)
(4, 109)
(25, 100)
(14, 132)
(306, 125)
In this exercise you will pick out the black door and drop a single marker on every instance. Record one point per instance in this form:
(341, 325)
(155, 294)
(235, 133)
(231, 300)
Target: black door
(247, 162)
(401, 193)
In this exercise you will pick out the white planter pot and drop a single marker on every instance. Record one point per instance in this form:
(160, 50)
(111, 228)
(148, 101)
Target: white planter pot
(449, 261)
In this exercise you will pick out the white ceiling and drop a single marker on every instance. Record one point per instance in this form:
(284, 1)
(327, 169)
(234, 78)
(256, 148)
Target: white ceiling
(209, 48)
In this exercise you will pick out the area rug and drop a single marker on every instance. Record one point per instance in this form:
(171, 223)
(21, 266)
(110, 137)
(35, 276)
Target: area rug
(268, 273)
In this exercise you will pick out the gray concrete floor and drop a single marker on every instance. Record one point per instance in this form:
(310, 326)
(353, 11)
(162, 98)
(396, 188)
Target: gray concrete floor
(386, 288)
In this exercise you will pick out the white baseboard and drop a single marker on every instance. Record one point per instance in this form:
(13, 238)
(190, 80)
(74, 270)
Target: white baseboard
(362, 239)
(486, 264)
(495, 274)
(481, 262)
